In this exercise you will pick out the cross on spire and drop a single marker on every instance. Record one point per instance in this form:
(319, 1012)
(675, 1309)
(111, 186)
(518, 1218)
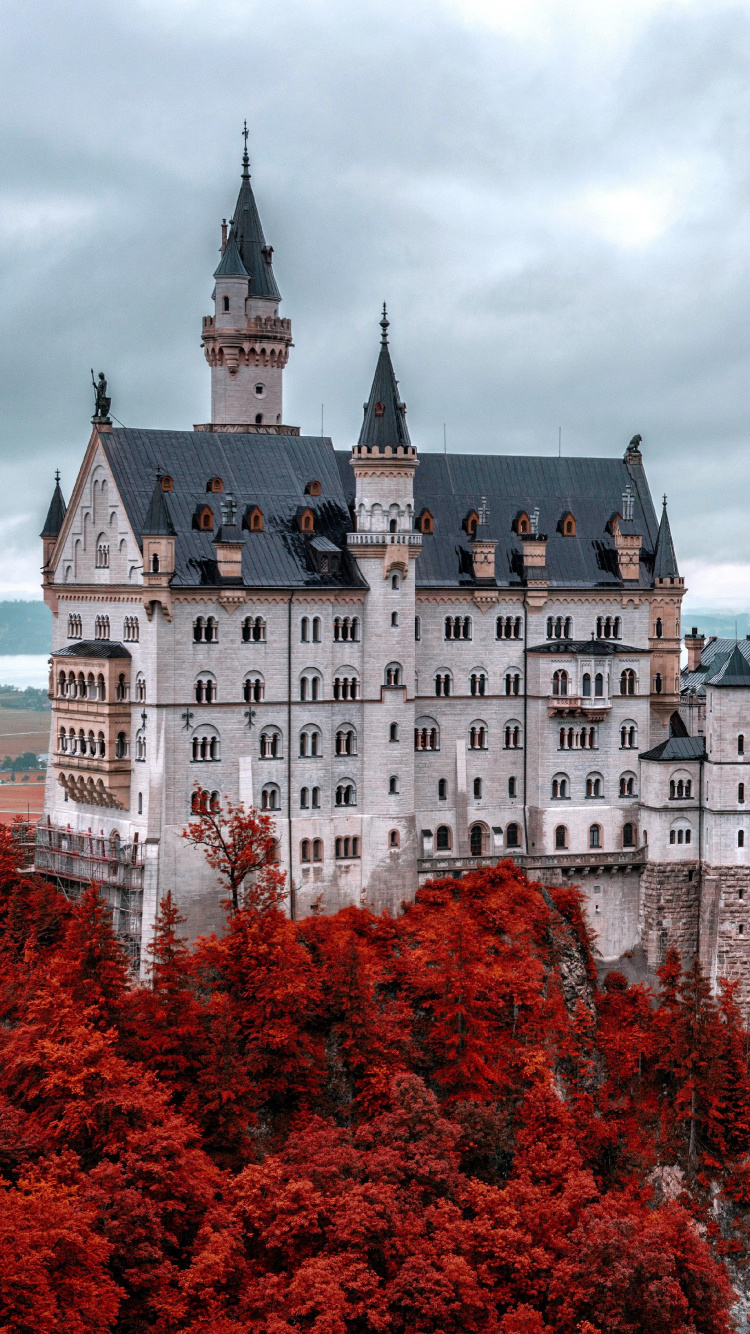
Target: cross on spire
(484, 511)
(384, 324)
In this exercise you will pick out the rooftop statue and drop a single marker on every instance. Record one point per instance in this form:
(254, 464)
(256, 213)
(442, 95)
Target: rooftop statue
(101, 402)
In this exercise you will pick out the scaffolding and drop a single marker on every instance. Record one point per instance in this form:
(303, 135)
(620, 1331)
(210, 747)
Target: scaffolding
(73, 861)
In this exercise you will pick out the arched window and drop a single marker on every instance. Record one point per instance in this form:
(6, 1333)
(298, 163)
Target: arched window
(478, 683)
(102, 553)
(628, 835)
(140, 745)
(740, 745)
(75, 627)
(443, 838)
(586, 685)
(270, 797)
(393, 674)
(508, 627)
(560, 787)
(417, 627)
(658, 629)
(346, 741)
(101, 627)
(741, 792)
(628, 735)
(628, 786)
(346, 848)
(395, 582)
(512, 787)
(560, 682)
(594, 785)
(479, 840)
(205, 688)
(627, 681)
(304, 630)
(346, 793)
(253, 688)
(270, 744)
(310, 742)
(561, 838)
(205, 744)
(393, 732)
(304, 798)
(316, 624)
(740, 838)
(595, 836)
(345, 684)
(131, 630)
(598, 685)
(426, 734)
(477, 789)
(311, 686)
(305, 850)
(394, 839)
(393, 785)
(443, 684)
(199, 629)
(658, 683)
(254, 630)
(121, 746)
(478, 736)
(513, 735)
(457, 627)
(317, 849)
(154, 563)
(442, 789)
(346, 629)
(512, 683)
(513, 836)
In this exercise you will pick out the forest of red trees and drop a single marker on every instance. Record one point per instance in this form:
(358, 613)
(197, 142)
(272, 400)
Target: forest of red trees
(356, 1124)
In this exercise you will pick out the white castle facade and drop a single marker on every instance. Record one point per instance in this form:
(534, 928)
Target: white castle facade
(418, 663)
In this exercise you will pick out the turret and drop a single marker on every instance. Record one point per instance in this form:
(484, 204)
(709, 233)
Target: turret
(245, 340)
(158, 538)
(665, 636)
(51, 530)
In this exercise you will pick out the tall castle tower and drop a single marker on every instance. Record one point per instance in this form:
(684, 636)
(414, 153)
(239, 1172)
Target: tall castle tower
(246, 342)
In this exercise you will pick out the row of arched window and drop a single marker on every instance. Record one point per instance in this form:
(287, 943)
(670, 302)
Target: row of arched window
(346, 687)
(609, 627)
(594, 786)
(595, 837)
(78, 685)
(75, 627)
(561, 683)
(101, 627)
(574, 738)
(479, 836)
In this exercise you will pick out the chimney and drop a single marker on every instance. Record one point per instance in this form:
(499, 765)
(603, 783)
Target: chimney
(223, 235)
(694, 643)
(483, 547)
(534, 547)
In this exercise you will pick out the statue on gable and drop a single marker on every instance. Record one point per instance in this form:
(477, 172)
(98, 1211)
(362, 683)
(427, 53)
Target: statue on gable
(101, 402)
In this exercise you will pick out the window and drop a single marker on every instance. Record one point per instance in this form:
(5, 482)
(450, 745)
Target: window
(304, 630)
(304, 798)
(560, 787)
(512, 683)
(346, 793)
(270, 797)
(586, 685)
(559, 627)
(740, 745)
(628, 835)
(512, 736)
(561, 838)
(598, 685)
(672, 836)
(458, 627)
(345, 687)
(477, 787)
(155, 564)
(102, 554)
(310, 742)
(346, 628)
(442, 789)
(627, 785)
(512, 787)
(205, 744)
(627, 681)
(443, 838)
(417, 627)
(140, 689)
(395, 582)
(205, 689)
(740, 838)
(394, 618)
(608, 627)
(393, 785)
(346, 741)
(346, 848)
(254, 630)
(75, 627)
(658, 683)
(478, 736)
(140, 745)
(393, 674)
(270, 744)
(121, 746)
(443, 684)
(140, 803)
(658, 629)
(508, 627)
(394, 839)
(253, 689)
(311, 686)
(595, 836)
(130, 630)
(741, 792)
(311, 850)
(317, 849)
(101, 627)
(225, 302)
(628, 736)
(305, 850)
(513, 836)
(594, 785)
(478, 840)
(215, 484)
(560, 682)
(393, 732)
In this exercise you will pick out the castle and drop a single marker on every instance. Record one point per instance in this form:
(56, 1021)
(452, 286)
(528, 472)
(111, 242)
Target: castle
(418, 663)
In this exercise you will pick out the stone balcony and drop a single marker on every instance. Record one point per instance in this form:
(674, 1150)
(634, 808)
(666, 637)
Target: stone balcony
(594, 708)
(561, 864)
(384, 539)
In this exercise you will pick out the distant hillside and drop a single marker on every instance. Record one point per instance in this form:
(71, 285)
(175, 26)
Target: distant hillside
(725, 625)
(25, 627)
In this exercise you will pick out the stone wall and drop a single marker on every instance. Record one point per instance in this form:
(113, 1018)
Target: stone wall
(670, 911)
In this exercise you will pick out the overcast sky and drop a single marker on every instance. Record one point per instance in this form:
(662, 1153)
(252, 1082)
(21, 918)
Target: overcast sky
(554, 199)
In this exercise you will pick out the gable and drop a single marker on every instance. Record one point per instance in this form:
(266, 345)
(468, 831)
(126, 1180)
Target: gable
(97, 544)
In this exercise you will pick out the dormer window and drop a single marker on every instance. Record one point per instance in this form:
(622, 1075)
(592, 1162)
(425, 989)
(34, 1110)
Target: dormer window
(167, 484)
(379, 409)
(567, 525)
(306, 521)
(215, 484)
(522, 523)
(226, 303)
(253, 520)
(313, 489)
(426, 523)
(203, 519)
(470, 522)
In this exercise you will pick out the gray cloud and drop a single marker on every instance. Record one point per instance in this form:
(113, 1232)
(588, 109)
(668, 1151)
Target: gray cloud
(559, 224)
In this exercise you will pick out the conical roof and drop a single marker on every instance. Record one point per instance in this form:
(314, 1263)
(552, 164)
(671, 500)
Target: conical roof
(735, 672)
(56, 512)
(231, 265)
(158, 521)
(246, 237)
(665, 561)
(385, 415)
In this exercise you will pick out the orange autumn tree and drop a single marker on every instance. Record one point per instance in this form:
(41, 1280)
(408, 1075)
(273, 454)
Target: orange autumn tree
(240, 844)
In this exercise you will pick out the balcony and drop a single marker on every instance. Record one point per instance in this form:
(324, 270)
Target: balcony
(593, 707)
(570, 863)
(384, 539)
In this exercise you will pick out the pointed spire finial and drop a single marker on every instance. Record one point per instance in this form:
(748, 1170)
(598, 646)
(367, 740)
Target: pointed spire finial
(245, 158)
(664, 500)
(384, 324)
(57, 476)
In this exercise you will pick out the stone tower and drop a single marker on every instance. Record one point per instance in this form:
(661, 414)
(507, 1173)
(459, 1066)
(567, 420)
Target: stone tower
(245, 341)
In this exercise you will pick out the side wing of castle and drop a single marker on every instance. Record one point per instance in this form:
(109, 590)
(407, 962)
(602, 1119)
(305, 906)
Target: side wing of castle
(417, 663)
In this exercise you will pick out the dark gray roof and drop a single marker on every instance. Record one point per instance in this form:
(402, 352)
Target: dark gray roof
(247, 235)
(56, 512)
(734, 672)
(230, 265)
(665, 561)
(270, 471)
(385, 415)
(94, 648)
(678, 748)
(715, 655)
(158, 522)
(591, 489)
(600, 648)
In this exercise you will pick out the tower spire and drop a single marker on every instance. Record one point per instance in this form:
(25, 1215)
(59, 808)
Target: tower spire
(665, 560)
(245, 158)
(384, 425)
(384, 324)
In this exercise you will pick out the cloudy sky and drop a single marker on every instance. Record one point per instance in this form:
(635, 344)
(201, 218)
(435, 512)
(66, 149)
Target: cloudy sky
(552, 195)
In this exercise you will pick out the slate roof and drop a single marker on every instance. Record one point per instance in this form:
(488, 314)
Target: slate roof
(449, 485)
(246, 236)
(56, 512)
(387, 425)
(230, 265)
(270, 471)
(94, 648)
(716, 654)
(678, 748)
(665, 561)
(734, 672)
(600, 648)
(158, 521)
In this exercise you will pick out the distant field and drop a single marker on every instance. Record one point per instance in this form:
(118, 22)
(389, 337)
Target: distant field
(23, 729)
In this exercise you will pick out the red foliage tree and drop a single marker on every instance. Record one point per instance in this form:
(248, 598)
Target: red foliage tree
(241, 845)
